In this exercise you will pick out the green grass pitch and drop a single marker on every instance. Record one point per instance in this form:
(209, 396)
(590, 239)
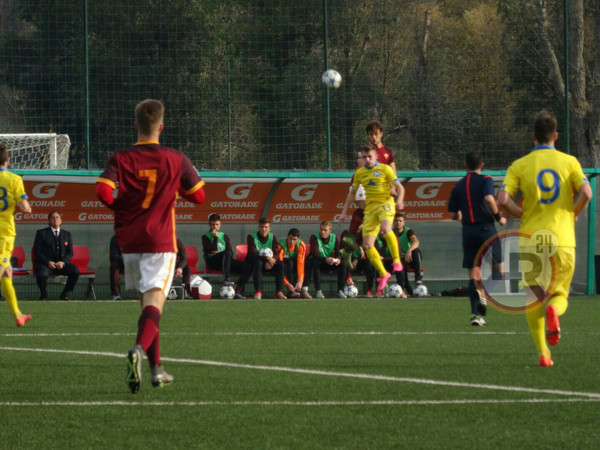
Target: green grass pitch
(332, 373)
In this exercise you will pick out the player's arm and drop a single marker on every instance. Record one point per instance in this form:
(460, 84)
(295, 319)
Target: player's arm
(347, 203)
(400, 194)
(491, 202)
(583, 198)
(24, 205)
(506, 201)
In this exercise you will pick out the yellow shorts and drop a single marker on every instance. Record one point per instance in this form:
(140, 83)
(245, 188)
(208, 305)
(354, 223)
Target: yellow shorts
(375, 213)
(553, 275)
(7, 244)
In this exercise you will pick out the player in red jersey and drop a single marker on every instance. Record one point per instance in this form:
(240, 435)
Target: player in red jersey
(149, 178)
(374, 131)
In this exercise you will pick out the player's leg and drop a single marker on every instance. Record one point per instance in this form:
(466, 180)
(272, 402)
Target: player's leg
(72, 273)
(245, 271)
(227, 258)
(471, 243)
(8, 290)
(279, 273)
(392, 243)
(115, 270)
(558, 303)
(152, 275)
(536, 322)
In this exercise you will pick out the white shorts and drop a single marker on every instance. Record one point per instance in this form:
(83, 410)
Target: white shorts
(145, 271)
(360, 194)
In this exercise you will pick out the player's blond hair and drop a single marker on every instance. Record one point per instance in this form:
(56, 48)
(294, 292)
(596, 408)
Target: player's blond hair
(149, 115)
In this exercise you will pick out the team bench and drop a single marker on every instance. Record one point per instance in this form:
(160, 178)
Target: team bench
(81, 259)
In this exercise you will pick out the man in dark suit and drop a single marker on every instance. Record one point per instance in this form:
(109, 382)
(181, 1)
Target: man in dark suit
(53, 249)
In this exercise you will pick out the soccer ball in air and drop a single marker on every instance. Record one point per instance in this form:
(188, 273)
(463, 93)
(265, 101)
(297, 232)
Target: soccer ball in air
(351, 291)
(420, 290)
(227, 292)
(266, 252)
(331, 78)
(394, 290)
(199, 288)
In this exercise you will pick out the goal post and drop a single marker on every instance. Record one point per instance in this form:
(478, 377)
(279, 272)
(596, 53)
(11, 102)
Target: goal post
(37, 151)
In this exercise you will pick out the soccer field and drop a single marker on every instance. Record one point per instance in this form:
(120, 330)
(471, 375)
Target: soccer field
(359, 373)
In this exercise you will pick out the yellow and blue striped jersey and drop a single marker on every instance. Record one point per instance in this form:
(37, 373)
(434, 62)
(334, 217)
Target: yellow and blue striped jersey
(548, 179)
(12, 191)
(376, 182)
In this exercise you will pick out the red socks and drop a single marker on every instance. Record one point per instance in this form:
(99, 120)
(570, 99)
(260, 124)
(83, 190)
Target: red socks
(148, 333)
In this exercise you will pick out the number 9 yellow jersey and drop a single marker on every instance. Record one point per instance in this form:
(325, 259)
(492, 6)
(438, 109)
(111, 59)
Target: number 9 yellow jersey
(548, 180)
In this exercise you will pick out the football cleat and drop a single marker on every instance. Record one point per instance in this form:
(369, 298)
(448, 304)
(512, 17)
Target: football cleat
(319, 294)
(482, 305)
(350, 241)
(134, 368)
(23, 319)
(228, 283)
(369, 294)
(341, 294)
(280, 295)
(293, 294)
(380, 294)
(477, 321)
(545, 361)
(238, 294)
(382, 281)
(346, 257)
(258, 295)
(159, 376)
(553, 325)
(304, 293)
(397, 267)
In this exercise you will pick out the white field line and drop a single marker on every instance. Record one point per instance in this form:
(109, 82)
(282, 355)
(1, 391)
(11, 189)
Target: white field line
(363, 376)
(310, 403)
(287, 333)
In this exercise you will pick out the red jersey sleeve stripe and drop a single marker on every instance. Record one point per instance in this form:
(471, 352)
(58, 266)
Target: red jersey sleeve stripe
(195, 188)
(106, 181)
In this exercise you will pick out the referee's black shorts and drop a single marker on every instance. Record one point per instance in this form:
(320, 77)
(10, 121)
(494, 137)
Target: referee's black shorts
(474, 236)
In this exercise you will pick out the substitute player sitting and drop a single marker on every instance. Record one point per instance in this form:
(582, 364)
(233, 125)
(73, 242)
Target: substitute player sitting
(379, 212)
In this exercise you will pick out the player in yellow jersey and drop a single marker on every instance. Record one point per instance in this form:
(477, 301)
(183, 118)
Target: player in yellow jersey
(12, 193)
(548, 179)
(379, 212)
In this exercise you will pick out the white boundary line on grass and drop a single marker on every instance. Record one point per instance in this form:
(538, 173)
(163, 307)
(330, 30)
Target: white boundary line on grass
(363, 376)
(310, 403)
(286, 333)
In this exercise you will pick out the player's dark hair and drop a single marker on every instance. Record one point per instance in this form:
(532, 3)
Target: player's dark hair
(149, 115)
(3, 153)
(544, 127)
(473, 160)
(400, 214)
(374, 125)
(294, 232)
(264, 221)
(214, 217)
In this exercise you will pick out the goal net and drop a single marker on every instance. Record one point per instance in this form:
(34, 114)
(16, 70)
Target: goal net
(37, 151)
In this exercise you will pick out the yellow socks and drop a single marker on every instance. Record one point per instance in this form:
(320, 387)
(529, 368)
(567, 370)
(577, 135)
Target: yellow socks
(392, 243)
(10, 295)
(375, 259)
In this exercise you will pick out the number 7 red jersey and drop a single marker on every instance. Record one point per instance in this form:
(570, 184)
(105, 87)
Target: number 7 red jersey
(148, 177)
